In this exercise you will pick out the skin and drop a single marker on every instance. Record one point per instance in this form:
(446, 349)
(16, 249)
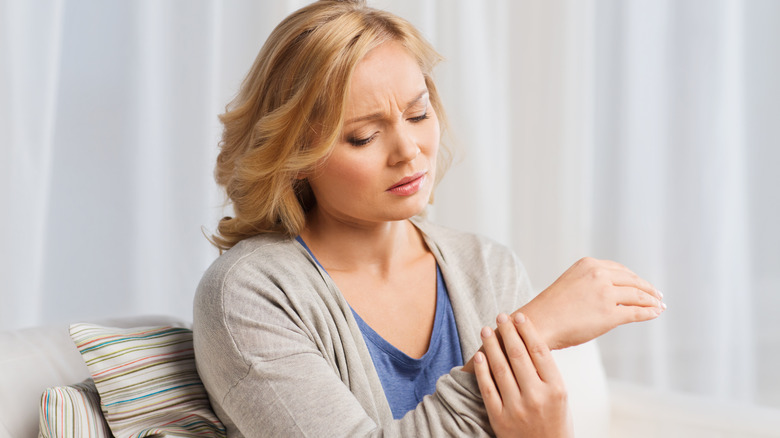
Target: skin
(521, 386)
(358, 230)
(360, 233)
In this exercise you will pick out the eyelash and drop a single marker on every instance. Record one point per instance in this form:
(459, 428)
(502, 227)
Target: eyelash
(419, 118)
(364, 141)
(360, 141)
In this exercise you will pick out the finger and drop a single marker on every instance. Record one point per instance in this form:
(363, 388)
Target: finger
(487, 387)
(630, 296)
(537, 350)
(627, 314)
(499, 367)
(627, 278)
(522, 366)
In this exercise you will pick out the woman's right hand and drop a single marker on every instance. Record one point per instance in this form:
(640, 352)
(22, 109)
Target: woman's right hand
(521, 387)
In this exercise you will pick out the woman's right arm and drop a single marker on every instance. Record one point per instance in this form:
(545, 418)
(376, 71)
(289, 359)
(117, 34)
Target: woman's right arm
(589, 299)
(272, 368)
(520, 384)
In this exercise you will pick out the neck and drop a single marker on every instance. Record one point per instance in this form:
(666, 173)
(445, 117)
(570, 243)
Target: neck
(344, 246)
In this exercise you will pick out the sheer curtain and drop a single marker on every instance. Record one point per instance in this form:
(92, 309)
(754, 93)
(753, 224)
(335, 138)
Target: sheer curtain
(643, 131)
(109, 133)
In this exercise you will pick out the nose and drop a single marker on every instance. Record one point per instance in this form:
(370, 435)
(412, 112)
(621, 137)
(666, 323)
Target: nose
(404, 147)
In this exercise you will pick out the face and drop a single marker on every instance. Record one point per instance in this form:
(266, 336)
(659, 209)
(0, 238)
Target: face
(383, 165)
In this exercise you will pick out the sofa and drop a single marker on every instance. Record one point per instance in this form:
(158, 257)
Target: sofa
(42, 357)
(37, 358)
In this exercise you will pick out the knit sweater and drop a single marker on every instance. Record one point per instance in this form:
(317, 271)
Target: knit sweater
(280, 352)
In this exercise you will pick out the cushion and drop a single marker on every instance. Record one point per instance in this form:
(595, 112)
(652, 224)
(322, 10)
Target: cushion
(147, 381)
(72, 411)
(36, 358)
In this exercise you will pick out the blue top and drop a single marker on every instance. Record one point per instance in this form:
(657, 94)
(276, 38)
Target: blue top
(407, 380)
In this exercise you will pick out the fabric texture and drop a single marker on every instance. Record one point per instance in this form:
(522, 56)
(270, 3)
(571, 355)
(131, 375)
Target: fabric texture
(147, 381)
(72, 411)
(280, 352)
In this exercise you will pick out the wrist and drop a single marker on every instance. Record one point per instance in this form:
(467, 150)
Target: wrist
(542, 324)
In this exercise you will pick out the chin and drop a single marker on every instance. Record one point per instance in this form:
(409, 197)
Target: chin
(408, 212)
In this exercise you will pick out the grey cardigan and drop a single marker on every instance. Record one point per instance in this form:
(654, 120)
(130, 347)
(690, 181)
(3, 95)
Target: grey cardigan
(280, 353)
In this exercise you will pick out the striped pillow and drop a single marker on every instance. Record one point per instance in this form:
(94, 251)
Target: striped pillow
(72, 411)
(147, 381)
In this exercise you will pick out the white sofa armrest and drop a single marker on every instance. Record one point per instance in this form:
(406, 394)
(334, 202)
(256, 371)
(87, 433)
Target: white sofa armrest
(642, 412)
(586, 383)
(41, 357)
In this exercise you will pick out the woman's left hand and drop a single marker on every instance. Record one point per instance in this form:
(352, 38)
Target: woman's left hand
(591, 298)
(521, 386)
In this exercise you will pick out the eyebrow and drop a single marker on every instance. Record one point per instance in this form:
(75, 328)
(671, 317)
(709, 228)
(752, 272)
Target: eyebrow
(379, 115)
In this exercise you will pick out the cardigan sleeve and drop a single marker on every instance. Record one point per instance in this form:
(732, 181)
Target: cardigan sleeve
(274, 366)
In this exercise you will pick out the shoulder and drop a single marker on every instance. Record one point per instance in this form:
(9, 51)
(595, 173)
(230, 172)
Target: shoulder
(262, 279)
(259, 301)
(260, 267)
(267, 254)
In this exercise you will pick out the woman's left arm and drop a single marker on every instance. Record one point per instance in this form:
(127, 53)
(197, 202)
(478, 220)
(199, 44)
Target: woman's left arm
(591, 298)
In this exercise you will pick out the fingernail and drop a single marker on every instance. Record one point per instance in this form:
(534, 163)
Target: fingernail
(479, 358)
(663, 305)
(502, 318)
(519, 318)
(660, 294)
(486, 332)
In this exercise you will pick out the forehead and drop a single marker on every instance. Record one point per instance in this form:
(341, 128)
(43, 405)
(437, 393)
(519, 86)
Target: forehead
(388, 74)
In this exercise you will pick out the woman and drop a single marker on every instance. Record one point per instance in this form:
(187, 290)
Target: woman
(336, 309)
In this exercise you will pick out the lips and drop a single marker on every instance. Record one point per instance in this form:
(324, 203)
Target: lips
(408, 185)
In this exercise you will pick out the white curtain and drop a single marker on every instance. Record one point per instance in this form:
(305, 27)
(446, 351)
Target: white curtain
(641, 131)
(644, 131)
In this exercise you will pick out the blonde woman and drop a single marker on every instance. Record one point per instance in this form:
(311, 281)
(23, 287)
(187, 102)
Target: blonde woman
(336, 310)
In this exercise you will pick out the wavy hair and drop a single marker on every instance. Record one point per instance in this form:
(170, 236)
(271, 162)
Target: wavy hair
(289, 112)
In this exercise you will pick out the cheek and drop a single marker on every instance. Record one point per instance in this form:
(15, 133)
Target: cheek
(432, 137)
(347, 172)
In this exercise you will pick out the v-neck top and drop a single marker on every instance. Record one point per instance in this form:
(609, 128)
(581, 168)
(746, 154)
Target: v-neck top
(406, 380)
(280, 352)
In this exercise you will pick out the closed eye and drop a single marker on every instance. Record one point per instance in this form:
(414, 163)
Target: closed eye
(360, 141)
(419, 118)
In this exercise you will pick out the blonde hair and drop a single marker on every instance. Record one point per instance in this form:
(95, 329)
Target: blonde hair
(289, 112)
